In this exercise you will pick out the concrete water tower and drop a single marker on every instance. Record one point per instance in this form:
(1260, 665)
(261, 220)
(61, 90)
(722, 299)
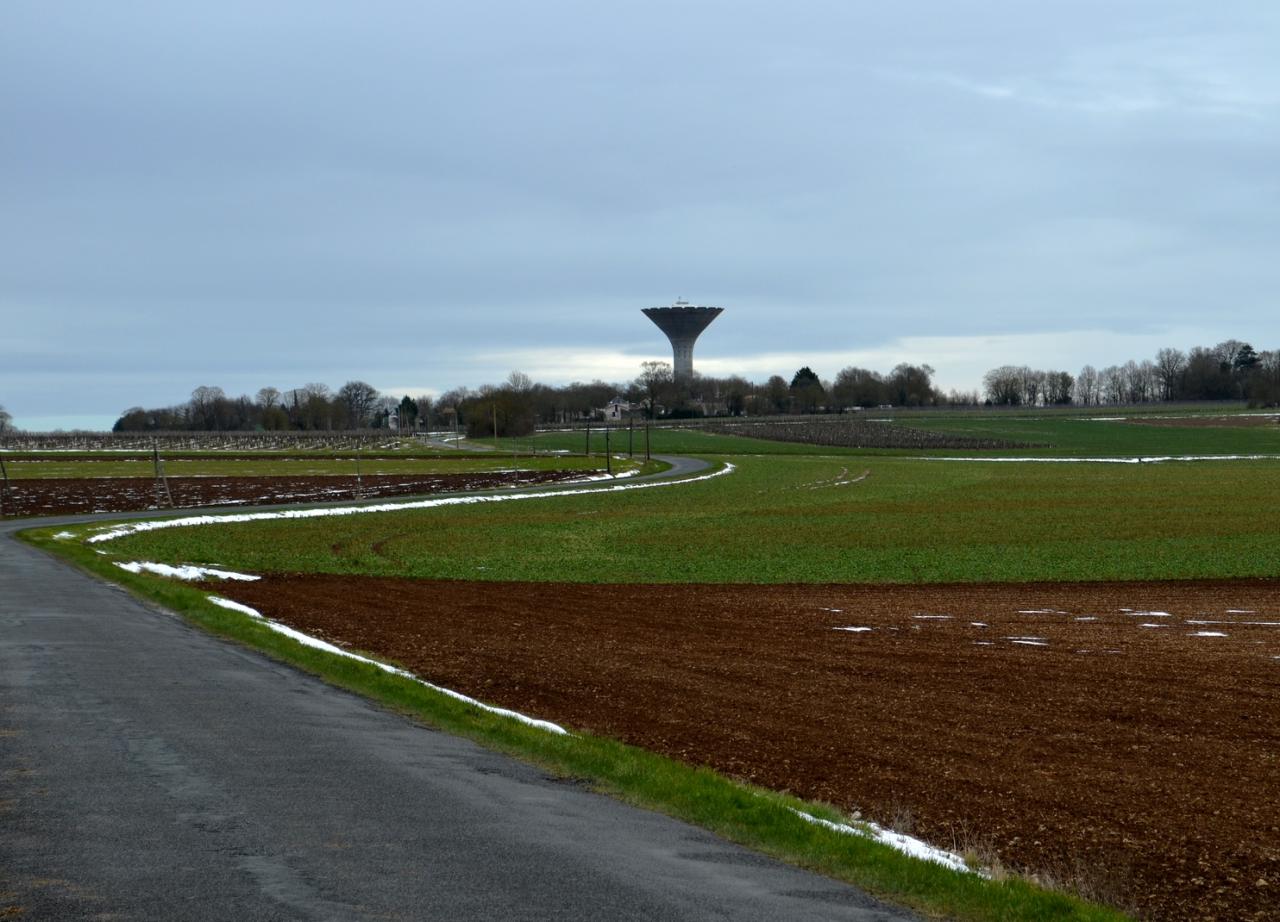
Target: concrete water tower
(682, 322)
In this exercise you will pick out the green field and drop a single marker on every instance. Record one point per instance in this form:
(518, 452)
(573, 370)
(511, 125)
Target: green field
(1053, 434)
(782, 519)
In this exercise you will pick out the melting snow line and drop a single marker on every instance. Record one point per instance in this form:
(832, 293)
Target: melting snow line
(853, 630)
(133, 528)
(1250, 623)
(308, 641)
(1207, 634)
(895, 840)
(184, 572)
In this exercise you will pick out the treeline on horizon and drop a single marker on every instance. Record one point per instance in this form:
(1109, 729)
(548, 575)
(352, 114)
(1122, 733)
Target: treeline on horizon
(1231, 370)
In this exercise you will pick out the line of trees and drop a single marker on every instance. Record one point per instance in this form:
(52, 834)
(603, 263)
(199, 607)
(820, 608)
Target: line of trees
(1231, 370)
(312, 407)
(518, 404)
(6, 420)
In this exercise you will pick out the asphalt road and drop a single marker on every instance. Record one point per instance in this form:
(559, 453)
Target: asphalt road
(151, 771)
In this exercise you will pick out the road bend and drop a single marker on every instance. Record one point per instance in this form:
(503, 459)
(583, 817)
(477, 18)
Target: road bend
(149, 770)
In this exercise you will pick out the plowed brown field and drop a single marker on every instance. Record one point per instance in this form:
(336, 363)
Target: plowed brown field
(71, 495)
(1100, 733)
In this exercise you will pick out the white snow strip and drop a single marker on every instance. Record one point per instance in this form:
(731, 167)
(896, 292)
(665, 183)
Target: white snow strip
(984, 643)
(1207, 634)
(1155, 459)
(895, 840)
(1249, 623)
(978, 623)
(1033, 643)
(1149, 624)
(64, 535)
(1230, 611)
(1038, 611)
(132, 528)
(932, 617)
(1149, 614)
(831, 609)
(309, 641)
(1087, 618)
(853, 630)
(1030, 639)
(187, 572)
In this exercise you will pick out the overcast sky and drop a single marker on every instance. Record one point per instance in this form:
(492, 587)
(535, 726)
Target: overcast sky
(426, 195)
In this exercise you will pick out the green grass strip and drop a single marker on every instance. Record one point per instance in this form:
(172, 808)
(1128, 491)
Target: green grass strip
(753, 817)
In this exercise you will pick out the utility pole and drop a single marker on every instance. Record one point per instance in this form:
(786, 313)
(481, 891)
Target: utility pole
(588, 451)
(359, 484)
(162, 482)
(6, 493)
(608, 460)
(647, 457)
(631, 436)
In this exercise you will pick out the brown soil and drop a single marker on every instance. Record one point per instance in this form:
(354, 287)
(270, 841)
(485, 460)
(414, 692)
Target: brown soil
(1209, 422)
(1140, 764)
(72, 495)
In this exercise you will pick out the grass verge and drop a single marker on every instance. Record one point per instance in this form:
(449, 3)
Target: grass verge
(758, 819)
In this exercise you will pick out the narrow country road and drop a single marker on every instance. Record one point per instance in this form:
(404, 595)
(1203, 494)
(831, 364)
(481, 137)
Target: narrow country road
(151, 771)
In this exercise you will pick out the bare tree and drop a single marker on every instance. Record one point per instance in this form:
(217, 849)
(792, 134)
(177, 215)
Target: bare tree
(204, 406)
(654, 380)
(859, 387)
(1114, 384)
(1058, 386)
(1003, 385)
(6, 420)
(1170, 366)
(268, 398)
(1088, 386)
(360, 400)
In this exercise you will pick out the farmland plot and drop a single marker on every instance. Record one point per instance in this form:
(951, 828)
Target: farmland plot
(1117, 737)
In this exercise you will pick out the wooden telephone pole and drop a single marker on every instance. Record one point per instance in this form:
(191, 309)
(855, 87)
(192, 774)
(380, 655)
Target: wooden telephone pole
(6, 493)
(162, 482)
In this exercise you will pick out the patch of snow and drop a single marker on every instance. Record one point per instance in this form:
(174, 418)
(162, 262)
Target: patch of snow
(932, 617)
(895, 840)
(978, 623)
(1248, 623)
(120, 531)
(984, 643)
(831, 609)
(853, 630)
(1230, 611)
(309, 641)
(1087, 618)
(1207, 634)
(64, 535)
(184, 572)
(1150, 624)
(1149, 614)
(1033, 643)
(1039, 611)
